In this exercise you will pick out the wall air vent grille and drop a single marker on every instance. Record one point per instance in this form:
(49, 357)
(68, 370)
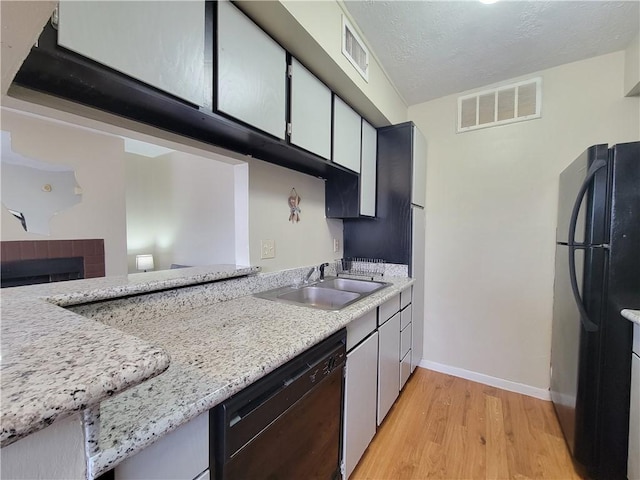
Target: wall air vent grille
(354, 49)
(510, 103)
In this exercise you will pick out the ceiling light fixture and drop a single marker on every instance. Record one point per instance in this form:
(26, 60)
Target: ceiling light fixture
(488, 2)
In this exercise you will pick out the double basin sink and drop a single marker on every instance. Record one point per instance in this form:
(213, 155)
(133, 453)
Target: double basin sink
(333, 293)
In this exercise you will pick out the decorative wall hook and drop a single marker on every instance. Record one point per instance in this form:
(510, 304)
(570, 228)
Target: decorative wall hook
(294, 201)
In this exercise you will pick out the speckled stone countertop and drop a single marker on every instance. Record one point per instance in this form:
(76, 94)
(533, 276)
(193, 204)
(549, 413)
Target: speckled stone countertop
(633, 315)
(216, 350)
(56, 362)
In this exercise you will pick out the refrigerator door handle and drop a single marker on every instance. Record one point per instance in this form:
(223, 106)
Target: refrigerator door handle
(589, 326)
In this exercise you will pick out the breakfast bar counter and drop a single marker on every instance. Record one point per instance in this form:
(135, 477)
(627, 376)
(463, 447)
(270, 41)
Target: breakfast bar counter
(140, 366)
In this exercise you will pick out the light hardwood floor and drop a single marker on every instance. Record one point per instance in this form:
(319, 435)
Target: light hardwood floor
(443, 427)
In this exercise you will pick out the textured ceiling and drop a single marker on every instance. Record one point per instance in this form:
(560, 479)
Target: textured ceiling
(436, 48)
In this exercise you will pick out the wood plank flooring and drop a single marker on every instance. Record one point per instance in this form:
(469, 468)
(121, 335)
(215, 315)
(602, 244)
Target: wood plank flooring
(444, 427)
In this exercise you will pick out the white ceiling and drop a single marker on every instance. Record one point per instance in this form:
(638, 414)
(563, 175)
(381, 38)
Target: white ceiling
(435, 48)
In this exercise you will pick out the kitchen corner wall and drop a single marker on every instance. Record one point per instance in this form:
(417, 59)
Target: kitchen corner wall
(98, 162)
(491, 218)
(308, 242)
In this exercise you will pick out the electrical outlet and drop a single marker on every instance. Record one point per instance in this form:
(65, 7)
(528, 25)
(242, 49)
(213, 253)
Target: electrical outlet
(336, 245)
(267, 249)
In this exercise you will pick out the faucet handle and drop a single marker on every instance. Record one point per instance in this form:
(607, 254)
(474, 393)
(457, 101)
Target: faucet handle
(321, 267)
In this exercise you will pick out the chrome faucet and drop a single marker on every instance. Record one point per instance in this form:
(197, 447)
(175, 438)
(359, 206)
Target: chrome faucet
(308, 275)
(321, 267)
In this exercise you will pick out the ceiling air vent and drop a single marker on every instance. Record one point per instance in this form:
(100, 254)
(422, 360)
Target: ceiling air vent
(510, 103)
(354, 49)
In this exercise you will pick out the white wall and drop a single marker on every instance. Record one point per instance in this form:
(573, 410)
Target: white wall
(309, 242)
(491, 213)
(182, 209)
(632, 67)
(98, 161)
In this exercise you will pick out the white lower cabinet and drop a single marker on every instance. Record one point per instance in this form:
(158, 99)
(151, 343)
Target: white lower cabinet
(180, 455)
(359, 402)
(633, 465)
(388, 365)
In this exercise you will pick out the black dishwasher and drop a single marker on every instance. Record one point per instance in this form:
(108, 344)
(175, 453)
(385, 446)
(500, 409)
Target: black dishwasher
(286, 425)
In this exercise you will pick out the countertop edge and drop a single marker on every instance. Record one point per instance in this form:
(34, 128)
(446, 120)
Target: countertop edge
(144, 361)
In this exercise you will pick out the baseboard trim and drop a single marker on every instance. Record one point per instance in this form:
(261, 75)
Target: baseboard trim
(488, 380)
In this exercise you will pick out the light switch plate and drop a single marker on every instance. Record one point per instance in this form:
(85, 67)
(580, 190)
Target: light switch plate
(336, 245)
(267, 249)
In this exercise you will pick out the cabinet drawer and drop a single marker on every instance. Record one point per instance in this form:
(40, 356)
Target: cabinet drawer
(405, 369)
(388, 309)
(359, 328)
(405, 340)
(405, 297)
(405, 317)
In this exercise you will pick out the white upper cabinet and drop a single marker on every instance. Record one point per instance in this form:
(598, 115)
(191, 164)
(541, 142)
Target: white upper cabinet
(159, 43)
(419, 178)
(368, 170)
(252, 72)
(347, 131)
(310, 112)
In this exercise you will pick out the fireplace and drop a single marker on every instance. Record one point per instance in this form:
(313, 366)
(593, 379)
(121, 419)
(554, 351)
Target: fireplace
(41, 261)
(43, 270)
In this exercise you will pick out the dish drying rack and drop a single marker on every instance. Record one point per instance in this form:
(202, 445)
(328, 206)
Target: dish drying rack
(360, 267)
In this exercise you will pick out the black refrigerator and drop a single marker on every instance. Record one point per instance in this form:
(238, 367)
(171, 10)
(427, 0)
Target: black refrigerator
(597, 273)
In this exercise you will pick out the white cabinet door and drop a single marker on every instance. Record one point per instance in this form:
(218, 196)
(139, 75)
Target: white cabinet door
(359, 401)
(159, 43)
(347, 135)
(310, 112)
(417, 271)
(181, 454)
(388, 365)
(368, 168)
(633, 470)
(419, 170)
(252, 72)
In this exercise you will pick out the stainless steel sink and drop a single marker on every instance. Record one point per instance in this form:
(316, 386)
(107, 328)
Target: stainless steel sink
(352, 285)
(331, 294)
(326, 298)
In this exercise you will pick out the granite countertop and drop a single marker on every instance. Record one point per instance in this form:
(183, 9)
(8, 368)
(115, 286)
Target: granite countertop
(216, 350)
(55, 362)
(633, 315)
